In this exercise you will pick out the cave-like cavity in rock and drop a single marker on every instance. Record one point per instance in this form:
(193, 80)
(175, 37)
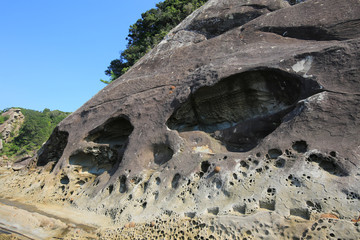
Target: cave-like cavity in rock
(244, 108)
(94, 160)
(53, 148)
(111, 140)
(114, 132)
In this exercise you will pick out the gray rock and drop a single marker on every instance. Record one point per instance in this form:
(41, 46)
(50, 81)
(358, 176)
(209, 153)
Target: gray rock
(266, 91)
(12, 125)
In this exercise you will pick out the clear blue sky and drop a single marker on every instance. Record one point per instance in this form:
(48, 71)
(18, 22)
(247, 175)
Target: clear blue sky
(53, 53)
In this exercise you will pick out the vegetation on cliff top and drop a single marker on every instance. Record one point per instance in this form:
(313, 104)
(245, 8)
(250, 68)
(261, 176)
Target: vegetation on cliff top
(35, 130)
(149, 30)
(3, 119)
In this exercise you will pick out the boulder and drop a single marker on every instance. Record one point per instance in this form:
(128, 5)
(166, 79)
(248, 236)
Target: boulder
(242, 122)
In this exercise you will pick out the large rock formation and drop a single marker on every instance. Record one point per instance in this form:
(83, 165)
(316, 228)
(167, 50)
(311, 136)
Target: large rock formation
(243, 122)
(10, 127)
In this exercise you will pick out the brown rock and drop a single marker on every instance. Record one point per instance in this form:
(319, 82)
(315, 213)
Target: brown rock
(217, 169)
(329, 215)
(266, 90)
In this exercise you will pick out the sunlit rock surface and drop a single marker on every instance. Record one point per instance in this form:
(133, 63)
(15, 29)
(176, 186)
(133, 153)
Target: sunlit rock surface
(242, 123)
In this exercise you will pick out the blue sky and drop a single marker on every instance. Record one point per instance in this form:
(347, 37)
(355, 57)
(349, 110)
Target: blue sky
(53, 53)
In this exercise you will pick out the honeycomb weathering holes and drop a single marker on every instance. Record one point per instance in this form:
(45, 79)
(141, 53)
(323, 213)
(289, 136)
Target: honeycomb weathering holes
(244, 108)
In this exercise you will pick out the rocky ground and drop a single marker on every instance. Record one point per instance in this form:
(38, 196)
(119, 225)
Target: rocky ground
(241, 124)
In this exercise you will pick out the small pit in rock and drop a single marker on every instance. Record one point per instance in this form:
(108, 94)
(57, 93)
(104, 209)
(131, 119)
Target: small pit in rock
(300, 146)
(162, 153)
(64, 180)
(123, 186)
(299, 212)
(204, 167)
(175, 180)
(214, 210)
(274, 153)
(328, 164)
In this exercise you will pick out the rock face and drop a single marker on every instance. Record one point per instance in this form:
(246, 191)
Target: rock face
(243, 122)
(11, 126)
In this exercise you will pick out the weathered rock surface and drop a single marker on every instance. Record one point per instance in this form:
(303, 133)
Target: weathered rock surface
(11, 126)
(243, 122)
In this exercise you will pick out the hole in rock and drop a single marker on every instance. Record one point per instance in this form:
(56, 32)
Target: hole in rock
(190, 214)
(94, 160)
(271, 191)
(175, 180)
(214, 210)
(328, 164)
(351, 195)
(53, 148)
(269, 205)
(111, 188)
(80, 182)
(294, 181)
(136, 180)
(314, 205)
(205, 166)
(303, 213)
(64, 180)
(274, 153)
(123, 187)
(239, 208)
(114, 134)
(244, 164)
(158, 180)
(162, 153)
(280, 163)
(242, 109)
(300, 146)
(333, 153)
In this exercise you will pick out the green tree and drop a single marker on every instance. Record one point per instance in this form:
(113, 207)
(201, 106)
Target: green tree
(148, 31)
(35, 130)
(3, 119)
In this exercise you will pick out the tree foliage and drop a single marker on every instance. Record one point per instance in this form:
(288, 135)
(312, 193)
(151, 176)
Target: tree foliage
(149, 30)
(3, 119)
(35, 130)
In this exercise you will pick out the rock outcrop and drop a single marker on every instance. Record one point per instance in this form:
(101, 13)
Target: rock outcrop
(11, 126)
(242, 123)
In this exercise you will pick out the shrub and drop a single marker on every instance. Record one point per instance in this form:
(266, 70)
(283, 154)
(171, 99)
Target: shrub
(35, 130)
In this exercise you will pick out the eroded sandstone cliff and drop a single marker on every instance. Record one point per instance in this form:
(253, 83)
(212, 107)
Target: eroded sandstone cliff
(242, 123)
